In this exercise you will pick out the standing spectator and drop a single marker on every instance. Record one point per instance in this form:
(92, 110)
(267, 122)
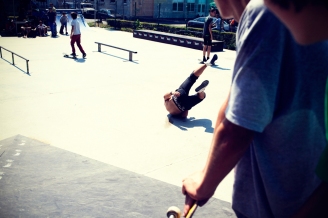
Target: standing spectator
(271, 127)
(76, 35)
(63, 21)
(207, 34)
(43, 29)
(53, 7)
(52, 22)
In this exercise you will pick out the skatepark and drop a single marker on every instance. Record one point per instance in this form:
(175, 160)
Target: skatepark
(91, 137)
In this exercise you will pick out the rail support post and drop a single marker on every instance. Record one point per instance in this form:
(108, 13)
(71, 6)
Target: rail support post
(130, 56)
(27, 67)
(12, 56)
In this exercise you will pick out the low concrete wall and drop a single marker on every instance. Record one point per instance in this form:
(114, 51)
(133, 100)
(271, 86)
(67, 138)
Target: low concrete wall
(174, 39)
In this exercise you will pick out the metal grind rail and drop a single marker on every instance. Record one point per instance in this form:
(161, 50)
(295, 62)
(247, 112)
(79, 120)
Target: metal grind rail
(130, 52)
(13, 59)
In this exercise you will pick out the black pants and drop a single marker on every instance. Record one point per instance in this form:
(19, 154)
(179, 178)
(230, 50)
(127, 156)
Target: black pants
(185, 100)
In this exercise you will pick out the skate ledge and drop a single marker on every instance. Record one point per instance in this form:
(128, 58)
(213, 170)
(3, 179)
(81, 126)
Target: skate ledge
(174, 39)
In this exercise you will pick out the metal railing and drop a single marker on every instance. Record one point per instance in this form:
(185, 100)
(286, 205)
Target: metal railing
(130, 52)
(13, 59)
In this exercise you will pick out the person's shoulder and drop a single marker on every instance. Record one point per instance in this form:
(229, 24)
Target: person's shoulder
(257, 15)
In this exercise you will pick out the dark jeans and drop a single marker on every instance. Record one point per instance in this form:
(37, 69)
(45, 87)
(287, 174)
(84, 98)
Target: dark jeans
(186, 101)
(53, 28)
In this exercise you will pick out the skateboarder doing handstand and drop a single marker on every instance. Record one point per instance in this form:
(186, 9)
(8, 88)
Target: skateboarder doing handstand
(179, 102)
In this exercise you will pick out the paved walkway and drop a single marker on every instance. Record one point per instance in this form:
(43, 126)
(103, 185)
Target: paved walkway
(109, 109)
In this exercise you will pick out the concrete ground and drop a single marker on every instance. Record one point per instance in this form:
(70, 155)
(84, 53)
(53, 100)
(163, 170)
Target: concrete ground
(109, 109)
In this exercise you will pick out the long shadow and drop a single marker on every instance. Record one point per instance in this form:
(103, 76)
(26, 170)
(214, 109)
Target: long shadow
(16, 67)
(79, 60)
(126, 60)
(191, 122)
(215, 66)
(220, 68)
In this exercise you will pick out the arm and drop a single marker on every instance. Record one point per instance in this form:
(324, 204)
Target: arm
(210, 31)
(72, 31)
(228, 146)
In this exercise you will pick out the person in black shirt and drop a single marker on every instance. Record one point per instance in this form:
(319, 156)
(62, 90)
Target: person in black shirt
(52, 21)
(207, 34)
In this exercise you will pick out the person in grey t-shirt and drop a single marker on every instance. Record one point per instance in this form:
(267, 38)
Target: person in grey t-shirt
(271, 128)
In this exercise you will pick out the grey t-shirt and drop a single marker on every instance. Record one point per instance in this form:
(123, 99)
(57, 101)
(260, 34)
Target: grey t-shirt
(277, 90)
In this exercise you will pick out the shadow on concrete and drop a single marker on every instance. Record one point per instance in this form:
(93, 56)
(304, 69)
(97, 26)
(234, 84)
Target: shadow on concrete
(191, 122)
(126, 60)
(220, 68)
(79, 60)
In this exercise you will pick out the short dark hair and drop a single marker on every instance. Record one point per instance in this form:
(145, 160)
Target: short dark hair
(212, 10)
(74, 15)
(300, 4)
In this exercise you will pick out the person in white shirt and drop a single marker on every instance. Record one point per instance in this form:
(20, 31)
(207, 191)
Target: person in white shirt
(42, 29)
(76, 35)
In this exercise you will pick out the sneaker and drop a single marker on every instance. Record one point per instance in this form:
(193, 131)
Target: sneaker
(207, 63)
(84, 55)
(73, 54)
(204, 59)
(215, 57)
(202, 86)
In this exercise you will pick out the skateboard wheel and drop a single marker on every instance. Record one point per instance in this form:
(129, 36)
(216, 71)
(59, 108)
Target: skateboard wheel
(173, 212)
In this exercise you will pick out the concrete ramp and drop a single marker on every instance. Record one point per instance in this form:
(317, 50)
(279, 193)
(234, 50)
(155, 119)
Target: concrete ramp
(80, 18)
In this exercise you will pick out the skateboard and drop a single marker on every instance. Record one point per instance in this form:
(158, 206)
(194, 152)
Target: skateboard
(174, 212)
(69, 56)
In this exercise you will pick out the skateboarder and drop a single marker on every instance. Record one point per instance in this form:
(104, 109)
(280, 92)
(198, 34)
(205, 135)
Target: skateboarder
(76, 35)
(179, 102)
